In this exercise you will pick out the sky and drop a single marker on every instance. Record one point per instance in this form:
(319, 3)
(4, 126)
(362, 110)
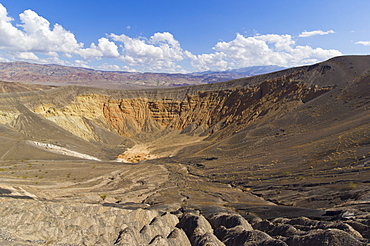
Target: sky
(178, 36)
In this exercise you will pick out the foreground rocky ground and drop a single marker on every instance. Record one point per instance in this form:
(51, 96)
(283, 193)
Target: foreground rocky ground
(61, 203)
(276, 159)
(29, 222)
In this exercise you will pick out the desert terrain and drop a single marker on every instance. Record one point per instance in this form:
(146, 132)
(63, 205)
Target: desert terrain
(275, 159)
(51, 74)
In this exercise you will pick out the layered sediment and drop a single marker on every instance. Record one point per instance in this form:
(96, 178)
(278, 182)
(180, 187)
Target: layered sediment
(202, 112)
(276, 159)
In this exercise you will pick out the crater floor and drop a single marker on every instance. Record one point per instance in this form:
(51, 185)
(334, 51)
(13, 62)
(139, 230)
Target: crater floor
(276, 159)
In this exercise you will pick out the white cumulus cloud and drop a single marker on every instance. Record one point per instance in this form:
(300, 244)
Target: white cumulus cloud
(108, 48)
(270, 49)
(81, 63)
(35, 39)
(36, 36)
(109, 67)
(160, 52)
(26, 56)
(213, 61)
(306, 34)
(105, 48)
(366, 43)
(128, 69)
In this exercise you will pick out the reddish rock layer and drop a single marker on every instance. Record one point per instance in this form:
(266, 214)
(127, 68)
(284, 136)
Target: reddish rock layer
(209, 110)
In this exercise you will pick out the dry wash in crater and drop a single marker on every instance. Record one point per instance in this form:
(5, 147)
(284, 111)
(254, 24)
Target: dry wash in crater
(275, 159)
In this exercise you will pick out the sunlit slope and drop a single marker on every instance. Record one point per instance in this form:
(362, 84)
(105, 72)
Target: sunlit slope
(107, 122)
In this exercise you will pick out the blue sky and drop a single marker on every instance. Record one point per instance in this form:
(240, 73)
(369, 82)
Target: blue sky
(182, 36)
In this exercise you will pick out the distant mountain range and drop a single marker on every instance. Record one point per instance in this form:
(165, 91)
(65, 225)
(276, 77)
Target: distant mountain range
(64, 75)
(219, 76)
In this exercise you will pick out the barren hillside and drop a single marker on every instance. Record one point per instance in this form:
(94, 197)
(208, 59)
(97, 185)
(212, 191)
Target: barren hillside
(289, 144)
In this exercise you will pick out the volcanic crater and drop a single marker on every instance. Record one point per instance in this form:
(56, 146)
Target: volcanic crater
(275, 159)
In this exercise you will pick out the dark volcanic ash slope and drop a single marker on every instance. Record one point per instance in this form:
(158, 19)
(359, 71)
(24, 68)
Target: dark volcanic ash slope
(297, 138)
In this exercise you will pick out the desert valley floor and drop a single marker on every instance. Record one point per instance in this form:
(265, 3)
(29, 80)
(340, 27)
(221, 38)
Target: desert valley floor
(275, 159)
